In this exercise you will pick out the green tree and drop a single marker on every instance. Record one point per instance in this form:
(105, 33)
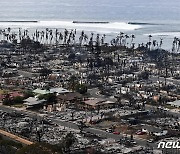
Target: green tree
(28, 94)
(7, 100)
(73, 81)
(81, 88)
(50, 98)
(17, 100)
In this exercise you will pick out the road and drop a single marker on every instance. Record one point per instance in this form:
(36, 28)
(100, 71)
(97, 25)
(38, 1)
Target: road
(98, 132)
(26, 73)
(71, 125)
(162, 79)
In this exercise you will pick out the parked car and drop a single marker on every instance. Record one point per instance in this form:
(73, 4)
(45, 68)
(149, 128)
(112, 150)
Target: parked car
(117, 133)
(140, 133)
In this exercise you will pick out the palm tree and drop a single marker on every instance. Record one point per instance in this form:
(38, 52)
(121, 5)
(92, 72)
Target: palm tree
(125, 40)
(102, 39)
(154, 43)
(51, 35)
(81, 38)
(132, 38)
(161, 42)
(173, 46)
(91, 42)
(149, 45)
(85, 38)
(73, 82)
(9, 29)
(120, 37)
(47, 33)
(175, 42)
(65, 35)
(178, 45)
(61, 37)
(56, 35)
(97, 39)
(20, 34)
(150, 36)
(69, 38)
(42, 36)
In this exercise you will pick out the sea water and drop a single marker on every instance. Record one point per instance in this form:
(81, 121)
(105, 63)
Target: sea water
(160, 18)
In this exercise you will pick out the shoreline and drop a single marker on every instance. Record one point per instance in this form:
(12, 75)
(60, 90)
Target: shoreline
(19, 21)
(90, 22)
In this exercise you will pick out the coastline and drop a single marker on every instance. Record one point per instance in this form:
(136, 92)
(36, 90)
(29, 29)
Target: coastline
(19, 21)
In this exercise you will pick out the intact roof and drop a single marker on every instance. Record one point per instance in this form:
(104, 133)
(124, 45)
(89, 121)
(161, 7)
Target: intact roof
(52, 90)
(59, 90)
(108, 102)
(42, 92)
(33, 101)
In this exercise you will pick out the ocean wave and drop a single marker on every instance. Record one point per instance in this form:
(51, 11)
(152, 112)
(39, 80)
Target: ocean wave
(164, 34)
(110, 26)
(142, 23)
(19, 21)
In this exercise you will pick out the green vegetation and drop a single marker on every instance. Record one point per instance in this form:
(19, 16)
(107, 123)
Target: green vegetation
(12, 101)
(17, 100)
(73, 81)
(74, 85)
(81, 88)
(28, 94)
(50, 98)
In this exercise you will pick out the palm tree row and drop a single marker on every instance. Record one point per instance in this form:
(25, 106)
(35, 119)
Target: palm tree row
(50, 36)
(70, 37)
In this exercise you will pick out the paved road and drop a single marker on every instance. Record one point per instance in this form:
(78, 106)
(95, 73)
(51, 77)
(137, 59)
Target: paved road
(98, 132)
(71, 125)
(26, 74)
(162, 79)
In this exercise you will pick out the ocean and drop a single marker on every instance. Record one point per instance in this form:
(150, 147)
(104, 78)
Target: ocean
(160, 18)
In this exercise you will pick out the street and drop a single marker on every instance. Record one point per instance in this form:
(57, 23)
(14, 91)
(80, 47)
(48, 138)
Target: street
(74, 126)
